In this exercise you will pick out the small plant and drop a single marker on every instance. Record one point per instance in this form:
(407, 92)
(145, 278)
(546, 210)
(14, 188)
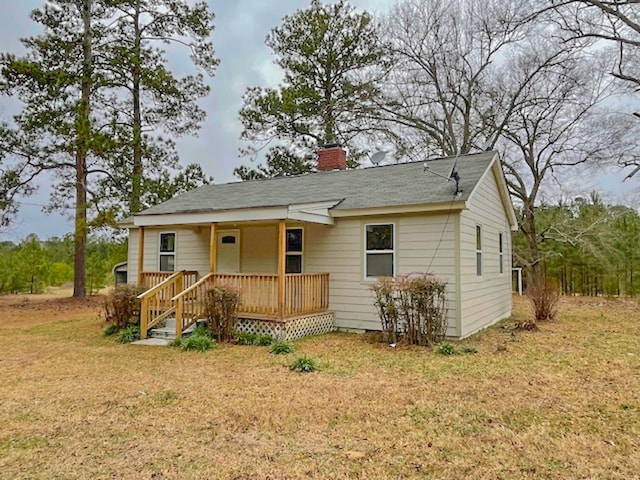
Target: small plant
(176, 342)
(303, 364)
(445, 348)
(263, 340)
(202, 331)
(199, 343)
(467, 349)
(281, 348)
(110, 329)
(129, 334)
(246, 338)
(544, 296)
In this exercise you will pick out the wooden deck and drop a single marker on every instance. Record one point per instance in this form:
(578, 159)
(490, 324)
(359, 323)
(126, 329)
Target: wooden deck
(264, 297)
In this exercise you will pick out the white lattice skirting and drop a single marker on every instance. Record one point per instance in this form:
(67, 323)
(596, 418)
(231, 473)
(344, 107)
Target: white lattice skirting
(313, 324)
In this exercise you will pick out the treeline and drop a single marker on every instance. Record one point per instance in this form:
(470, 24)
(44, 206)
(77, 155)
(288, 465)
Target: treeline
(33, 264)
(587, 247)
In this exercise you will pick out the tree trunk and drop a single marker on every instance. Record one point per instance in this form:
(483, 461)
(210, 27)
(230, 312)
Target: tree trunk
(136, 178)
(83, 131)
(531, 236)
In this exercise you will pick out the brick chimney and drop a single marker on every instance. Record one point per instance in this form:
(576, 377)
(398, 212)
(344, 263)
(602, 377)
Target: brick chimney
(332, 157)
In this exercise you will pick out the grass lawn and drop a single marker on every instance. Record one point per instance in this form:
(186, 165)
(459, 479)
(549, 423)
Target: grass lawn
(562, 402)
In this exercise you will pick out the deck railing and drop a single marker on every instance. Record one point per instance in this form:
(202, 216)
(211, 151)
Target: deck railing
(151, 279)
(306, 292)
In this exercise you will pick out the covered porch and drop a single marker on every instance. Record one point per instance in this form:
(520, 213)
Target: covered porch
(280, 293)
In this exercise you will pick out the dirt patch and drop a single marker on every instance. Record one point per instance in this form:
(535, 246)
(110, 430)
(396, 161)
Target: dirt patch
(27, 310)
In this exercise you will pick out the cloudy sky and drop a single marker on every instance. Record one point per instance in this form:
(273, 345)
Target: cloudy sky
(241, 27)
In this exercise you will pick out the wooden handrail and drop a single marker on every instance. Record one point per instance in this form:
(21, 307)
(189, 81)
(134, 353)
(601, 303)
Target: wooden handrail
(159, 286)
(193, 287)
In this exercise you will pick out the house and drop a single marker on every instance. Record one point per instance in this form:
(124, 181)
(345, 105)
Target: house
(305, 250)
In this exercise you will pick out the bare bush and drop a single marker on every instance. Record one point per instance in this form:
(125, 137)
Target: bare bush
(544, 296)
(221, 307)
(412, 306)
(122, 306)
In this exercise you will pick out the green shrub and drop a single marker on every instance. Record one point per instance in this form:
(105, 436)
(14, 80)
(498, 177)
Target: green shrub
(303, 364)
(445, 348)
(110, 329)
(263, 340)
(198, 343)
(281, 348)
(122, 307)
(176, 342)
(246, 338)
(221, 307)
(202, 330)
(129, 334)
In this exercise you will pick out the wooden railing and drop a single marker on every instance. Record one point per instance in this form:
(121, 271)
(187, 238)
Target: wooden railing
(305, 293)
(156, 304)
(151, 279)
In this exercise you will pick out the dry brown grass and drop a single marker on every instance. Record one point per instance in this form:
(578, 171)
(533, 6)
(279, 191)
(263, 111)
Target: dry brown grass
(563, 402)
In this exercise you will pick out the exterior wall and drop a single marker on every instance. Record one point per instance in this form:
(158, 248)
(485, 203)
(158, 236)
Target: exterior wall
(192, 250)
(421, 241)
(485, 299)
(259, 249)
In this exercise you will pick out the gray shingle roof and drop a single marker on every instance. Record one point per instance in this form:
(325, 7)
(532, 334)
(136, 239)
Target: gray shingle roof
(383, 186)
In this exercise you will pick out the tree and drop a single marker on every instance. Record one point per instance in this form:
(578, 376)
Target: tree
(470, 76)
(446, 55)
(147, 96)
(57, 83)
(75, 122)
(332, 58)
(614, 25)
(158, 190)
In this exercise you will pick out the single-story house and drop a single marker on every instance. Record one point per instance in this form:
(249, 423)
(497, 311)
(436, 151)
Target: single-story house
(306, 249)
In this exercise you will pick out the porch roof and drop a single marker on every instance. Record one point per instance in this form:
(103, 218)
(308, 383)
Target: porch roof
(316, 195)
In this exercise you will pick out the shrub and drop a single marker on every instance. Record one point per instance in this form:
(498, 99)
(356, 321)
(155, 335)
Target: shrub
(303, 364)
(201, 330)
(246, 338)
(122, 307)
(198, 343)
(221, 307)
(110, 329)
(263, 340)
(544, 296)
(129, 334)
(281, 348)
(413, 306)
(446, 348)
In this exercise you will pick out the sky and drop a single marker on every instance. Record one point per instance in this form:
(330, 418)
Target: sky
(240, 30)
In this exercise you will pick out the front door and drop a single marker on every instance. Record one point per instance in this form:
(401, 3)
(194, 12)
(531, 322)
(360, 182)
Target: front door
(228, 251)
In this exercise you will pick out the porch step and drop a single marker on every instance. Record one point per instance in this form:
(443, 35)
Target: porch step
(168, 332)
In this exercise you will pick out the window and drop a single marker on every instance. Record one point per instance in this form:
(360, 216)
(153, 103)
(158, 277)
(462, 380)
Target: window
(478, 250)
(379, 250)
(228, 240)
(501, 253)
(293, 258)
(167, 252)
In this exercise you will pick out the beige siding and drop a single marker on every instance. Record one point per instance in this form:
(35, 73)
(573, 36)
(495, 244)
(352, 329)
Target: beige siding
(132, 257)
(339, 250)
(485, 299)
(259, 249)
(192, 250)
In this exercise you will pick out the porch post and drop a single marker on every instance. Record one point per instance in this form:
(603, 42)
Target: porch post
(212, 249)
(281, 266)
(140, 254)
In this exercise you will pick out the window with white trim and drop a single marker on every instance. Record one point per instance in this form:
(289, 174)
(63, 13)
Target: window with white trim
(167, 252)
(501, 252)
(379, 250)
(478, 250)
(294, 247)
